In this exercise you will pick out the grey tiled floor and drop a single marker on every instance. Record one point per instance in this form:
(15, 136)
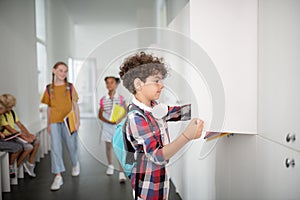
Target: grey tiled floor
(92, 183)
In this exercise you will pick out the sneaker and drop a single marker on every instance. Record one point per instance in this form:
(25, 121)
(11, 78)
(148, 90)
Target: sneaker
(110, 170)
(12, 172)
(76, 170)
(58, 181)
(122, 177)
(29, 168)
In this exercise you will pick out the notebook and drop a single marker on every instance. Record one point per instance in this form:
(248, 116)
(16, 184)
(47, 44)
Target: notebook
(214, 135)
(117, 113)
(11, 136)
(70, 122)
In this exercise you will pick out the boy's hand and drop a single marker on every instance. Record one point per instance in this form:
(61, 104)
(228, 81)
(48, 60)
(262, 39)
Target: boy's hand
(194, 129)
(2, 135)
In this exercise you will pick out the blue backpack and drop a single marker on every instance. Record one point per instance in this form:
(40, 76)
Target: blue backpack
(123, 149)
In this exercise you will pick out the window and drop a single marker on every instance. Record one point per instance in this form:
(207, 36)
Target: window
(74, 69)
(40, 19)
(41, 51)
(42, 66)
(40, 22)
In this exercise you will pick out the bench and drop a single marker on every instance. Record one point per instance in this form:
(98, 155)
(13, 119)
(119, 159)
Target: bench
(40, 130)
(4, 173)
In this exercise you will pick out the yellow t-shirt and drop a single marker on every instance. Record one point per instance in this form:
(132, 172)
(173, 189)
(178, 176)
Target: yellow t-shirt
(59, 101)
(8, 119)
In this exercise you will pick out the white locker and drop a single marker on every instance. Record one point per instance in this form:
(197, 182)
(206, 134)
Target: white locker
(279, 70)
(277, 171)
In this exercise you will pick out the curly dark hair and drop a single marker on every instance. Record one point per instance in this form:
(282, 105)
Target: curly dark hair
(116, 79)
(141, 65)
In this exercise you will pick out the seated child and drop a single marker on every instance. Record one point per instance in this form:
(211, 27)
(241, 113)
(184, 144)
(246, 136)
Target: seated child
(29, 142)
(13, 148)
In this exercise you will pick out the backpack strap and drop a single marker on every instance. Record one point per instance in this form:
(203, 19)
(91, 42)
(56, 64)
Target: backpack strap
(13, 114)
(121, 100)
(101, 103)
(14, 117)
(48, 90)
(3, 128)
(129, 147)
(134, 108)
(5, 117)
(70, 87)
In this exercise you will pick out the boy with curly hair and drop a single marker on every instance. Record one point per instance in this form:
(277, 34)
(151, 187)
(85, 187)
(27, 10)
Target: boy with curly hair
(142, 74)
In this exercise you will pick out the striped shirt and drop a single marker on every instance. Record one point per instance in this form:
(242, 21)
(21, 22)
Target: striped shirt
(153, 178)
(107, 103)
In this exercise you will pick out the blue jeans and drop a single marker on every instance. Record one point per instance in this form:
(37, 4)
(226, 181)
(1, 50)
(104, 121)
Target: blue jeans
(58, 133)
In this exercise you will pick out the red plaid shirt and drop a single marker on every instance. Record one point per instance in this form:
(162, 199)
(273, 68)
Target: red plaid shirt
(153, 178)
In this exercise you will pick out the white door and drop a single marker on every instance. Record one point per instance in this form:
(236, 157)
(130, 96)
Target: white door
(83, 75)
(279, 70)
(277, 177)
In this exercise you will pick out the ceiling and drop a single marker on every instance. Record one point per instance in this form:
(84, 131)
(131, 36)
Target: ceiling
(95, 11)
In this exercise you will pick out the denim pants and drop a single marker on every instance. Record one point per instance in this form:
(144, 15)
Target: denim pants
(58, 133)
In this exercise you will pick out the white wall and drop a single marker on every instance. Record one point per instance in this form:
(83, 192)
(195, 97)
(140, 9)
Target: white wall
(89, 39)
(249, 166)
(18, 57)
(181, 24)
(90, 36)
(173, 8)
(18, 51)
(228, 34)
(59, 34)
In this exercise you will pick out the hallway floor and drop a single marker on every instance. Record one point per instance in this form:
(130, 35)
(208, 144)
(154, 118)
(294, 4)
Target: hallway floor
(92, 183)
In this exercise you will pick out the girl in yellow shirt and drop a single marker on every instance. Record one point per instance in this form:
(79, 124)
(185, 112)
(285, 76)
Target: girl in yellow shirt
(61, 97)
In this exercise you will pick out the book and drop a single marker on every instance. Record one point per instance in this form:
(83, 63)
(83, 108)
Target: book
(11, 136)
(70, 122)
(117, 113)
(21, 140)
(214, 135)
